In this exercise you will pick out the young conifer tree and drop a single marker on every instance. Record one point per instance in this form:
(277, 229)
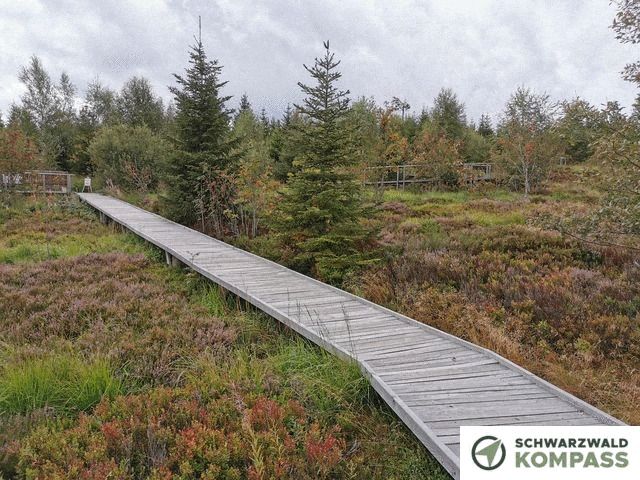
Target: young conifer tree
(322, 206)
(204, 145)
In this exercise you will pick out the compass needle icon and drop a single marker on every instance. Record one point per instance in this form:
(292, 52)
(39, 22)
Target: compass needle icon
(490, 451)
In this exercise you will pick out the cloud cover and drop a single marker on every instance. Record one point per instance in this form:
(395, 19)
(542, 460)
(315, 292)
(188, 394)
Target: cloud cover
(483, 49)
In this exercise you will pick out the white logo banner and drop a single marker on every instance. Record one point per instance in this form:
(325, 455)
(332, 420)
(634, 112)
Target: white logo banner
(563, 453)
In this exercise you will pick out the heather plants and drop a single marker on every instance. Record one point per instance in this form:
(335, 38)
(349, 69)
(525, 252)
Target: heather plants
(487, 267)
(34, 232)
(115, 365)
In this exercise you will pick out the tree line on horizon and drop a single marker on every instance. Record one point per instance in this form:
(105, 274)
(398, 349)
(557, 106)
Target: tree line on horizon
(238, 172)
(388, 134)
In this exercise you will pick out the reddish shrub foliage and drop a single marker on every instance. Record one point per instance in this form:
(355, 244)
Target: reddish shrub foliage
(183, 433)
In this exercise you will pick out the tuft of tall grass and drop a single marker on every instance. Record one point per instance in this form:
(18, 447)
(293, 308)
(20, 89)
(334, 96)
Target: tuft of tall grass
(62, 382)
(215, 300)
(329, 384)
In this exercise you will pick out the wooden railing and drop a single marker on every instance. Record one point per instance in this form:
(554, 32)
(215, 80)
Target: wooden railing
(36, 182)
(399, 176)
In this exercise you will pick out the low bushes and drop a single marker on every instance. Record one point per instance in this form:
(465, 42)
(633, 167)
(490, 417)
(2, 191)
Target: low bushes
(566, 310)
(183, 433)
(112, 305)
(192, 386)
(131, 158)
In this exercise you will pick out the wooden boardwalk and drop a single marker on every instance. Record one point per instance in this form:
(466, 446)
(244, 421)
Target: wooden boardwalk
(435, 382)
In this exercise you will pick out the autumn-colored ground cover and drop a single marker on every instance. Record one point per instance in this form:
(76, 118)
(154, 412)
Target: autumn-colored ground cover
(486, 266)
(113, 365)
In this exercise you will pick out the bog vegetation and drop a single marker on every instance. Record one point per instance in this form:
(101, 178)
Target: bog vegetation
(540, 263)
(115, 366)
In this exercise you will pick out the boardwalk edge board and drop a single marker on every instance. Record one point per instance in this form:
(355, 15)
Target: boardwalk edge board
(142, 225)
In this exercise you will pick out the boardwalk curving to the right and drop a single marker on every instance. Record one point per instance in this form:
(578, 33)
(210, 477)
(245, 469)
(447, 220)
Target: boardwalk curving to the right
(435, 382)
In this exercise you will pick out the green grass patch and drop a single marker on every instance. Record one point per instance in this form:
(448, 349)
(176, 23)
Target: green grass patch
(328, 383)
(415, 198)
(38, 230)
(37, 248)
(489, 219)
(429, 225)
(63, 382)
(215, 300)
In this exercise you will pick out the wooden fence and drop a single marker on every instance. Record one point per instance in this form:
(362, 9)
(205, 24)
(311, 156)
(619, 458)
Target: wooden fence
(399, 176)
(36, 182)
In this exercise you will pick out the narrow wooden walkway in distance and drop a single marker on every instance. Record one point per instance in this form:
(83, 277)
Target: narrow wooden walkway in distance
(435, 382)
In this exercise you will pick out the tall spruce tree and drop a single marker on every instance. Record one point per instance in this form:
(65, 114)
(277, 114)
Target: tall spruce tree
(322, 205)
(198, 176)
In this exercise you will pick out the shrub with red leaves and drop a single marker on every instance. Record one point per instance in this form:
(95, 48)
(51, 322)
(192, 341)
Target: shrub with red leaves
(183, 433)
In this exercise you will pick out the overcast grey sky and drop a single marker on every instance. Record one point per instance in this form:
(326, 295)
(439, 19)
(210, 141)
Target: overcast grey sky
(483, 49)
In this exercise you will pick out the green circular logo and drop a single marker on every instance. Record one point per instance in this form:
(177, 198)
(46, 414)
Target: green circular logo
(488, 453)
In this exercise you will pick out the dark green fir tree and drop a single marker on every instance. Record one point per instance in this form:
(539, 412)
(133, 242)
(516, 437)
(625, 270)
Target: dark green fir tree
(199, 190)
(321, 212)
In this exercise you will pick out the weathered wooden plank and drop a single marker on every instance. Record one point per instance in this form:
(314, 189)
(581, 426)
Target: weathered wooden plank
(361, 341)
(351, 317)
(315, 300)
(347, 308)
(364, 336)
(411, 361)
(506, 407)
(496, 372)
(507, 389)
(511, 416)
(364, 325)
(564, 418)
(507, 379)
(455, 447)
(476, 395)
(476, 399)
(396, 346)
(428, 370)
(272, 293)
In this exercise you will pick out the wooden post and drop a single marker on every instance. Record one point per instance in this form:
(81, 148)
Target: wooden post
(172, 261)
